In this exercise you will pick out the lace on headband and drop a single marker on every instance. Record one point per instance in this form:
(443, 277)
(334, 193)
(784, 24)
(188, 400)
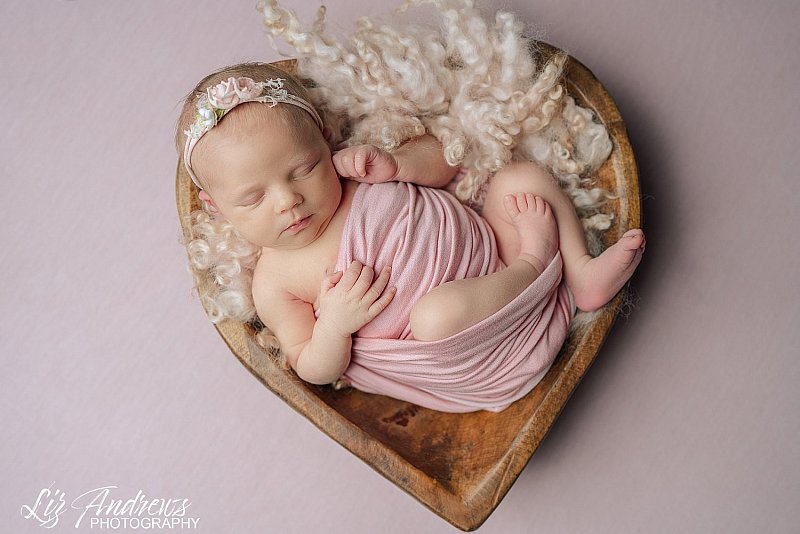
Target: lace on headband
(220, 99)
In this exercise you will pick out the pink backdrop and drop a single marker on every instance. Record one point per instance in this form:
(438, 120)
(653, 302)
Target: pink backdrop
(112, 375)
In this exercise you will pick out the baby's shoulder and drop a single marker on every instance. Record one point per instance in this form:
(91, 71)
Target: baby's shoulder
(294, 275)
(273, 287)
(269, 280)
(275, 272)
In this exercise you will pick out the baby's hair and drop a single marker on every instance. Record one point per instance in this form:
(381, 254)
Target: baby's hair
(215, 248)
(294, 116)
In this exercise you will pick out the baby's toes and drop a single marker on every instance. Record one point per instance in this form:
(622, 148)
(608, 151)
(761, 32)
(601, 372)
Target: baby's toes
(510, 203)
(533, 202)
(633, 239)
(542, 207)
(634, 232)
(522, 202)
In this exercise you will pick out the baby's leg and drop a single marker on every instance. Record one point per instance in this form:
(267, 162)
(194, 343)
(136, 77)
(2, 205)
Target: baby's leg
(593, 281)
(457, 305)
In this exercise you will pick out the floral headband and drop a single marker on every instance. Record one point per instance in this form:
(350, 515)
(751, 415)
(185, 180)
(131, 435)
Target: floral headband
(219, 99)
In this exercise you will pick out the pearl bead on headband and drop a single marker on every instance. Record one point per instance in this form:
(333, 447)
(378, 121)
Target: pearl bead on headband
(219, 99)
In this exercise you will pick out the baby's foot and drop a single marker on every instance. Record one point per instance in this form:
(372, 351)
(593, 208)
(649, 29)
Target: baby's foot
(536, 227)
(602, 277)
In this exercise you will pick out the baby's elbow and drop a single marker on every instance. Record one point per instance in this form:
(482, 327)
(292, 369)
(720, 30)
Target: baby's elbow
(317, 377)
(319, 381)
(319, 374)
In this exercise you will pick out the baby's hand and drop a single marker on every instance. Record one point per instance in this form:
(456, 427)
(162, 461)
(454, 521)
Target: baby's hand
(365, 163)
(350, 300)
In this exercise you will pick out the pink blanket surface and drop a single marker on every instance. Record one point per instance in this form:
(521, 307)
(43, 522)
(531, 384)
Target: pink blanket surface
(429, 238)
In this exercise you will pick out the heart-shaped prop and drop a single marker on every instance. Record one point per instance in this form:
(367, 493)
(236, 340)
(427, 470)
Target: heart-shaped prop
(458, 465)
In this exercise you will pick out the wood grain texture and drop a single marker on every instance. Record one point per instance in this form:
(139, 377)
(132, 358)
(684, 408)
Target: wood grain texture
(458, 465)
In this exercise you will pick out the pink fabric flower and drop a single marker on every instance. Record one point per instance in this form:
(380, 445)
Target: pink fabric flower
(227, 94)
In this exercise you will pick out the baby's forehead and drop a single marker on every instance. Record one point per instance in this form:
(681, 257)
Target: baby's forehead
(284, 118)
(229, 145)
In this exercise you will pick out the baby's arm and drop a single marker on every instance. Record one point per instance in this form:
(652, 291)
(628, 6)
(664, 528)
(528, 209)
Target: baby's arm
(420, 161)
(319, 349)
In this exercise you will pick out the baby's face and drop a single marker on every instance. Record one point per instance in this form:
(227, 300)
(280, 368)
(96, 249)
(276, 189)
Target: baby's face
(267, 177)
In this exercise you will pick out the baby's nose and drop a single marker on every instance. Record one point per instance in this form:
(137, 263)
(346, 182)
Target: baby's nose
(288, 200)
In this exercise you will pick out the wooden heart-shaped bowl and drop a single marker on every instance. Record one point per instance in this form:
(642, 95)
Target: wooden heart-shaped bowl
(458, 465)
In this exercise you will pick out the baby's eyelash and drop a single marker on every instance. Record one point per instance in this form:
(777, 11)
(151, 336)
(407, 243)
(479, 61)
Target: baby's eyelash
(255, 202)
(307, 171)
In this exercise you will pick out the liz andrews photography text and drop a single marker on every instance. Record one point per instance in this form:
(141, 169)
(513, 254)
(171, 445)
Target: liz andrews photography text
(98, 509)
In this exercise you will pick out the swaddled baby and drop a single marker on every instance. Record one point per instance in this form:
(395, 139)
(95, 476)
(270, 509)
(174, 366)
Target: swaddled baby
(371, 273)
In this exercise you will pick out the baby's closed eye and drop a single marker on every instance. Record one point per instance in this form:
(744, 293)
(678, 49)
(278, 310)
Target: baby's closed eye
(255, 200)
(305, 172)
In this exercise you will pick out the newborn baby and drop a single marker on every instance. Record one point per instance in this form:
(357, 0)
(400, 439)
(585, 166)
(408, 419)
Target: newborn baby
(371, 273)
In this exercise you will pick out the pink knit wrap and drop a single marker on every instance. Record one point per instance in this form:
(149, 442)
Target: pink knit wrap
(429, 237)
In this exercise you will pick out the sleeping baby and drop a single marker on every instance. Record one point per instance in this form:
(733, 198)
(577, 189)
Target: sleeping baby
(370, 272)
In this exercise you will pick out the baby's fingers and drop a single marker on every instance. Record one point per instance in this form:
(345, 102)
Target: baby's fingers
(352, 275)
(330, 281)
(379, 305)
(380, 283)
(364, 281)
(360, 161)
(343, 163)
(372, 295)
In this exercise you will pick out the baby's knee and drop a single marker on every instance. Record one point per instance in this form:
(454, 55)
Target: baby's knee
(518, 177)
(436, 316)
(524, 176)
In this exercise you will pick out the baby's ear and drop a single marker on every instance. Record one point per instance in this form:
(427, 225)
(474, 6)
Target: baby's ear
(327, 133)
(205, 197)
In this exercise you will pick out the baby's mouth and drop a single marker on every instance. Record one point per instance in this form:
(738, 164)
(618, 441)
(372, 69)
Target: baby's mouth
(298, 225)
